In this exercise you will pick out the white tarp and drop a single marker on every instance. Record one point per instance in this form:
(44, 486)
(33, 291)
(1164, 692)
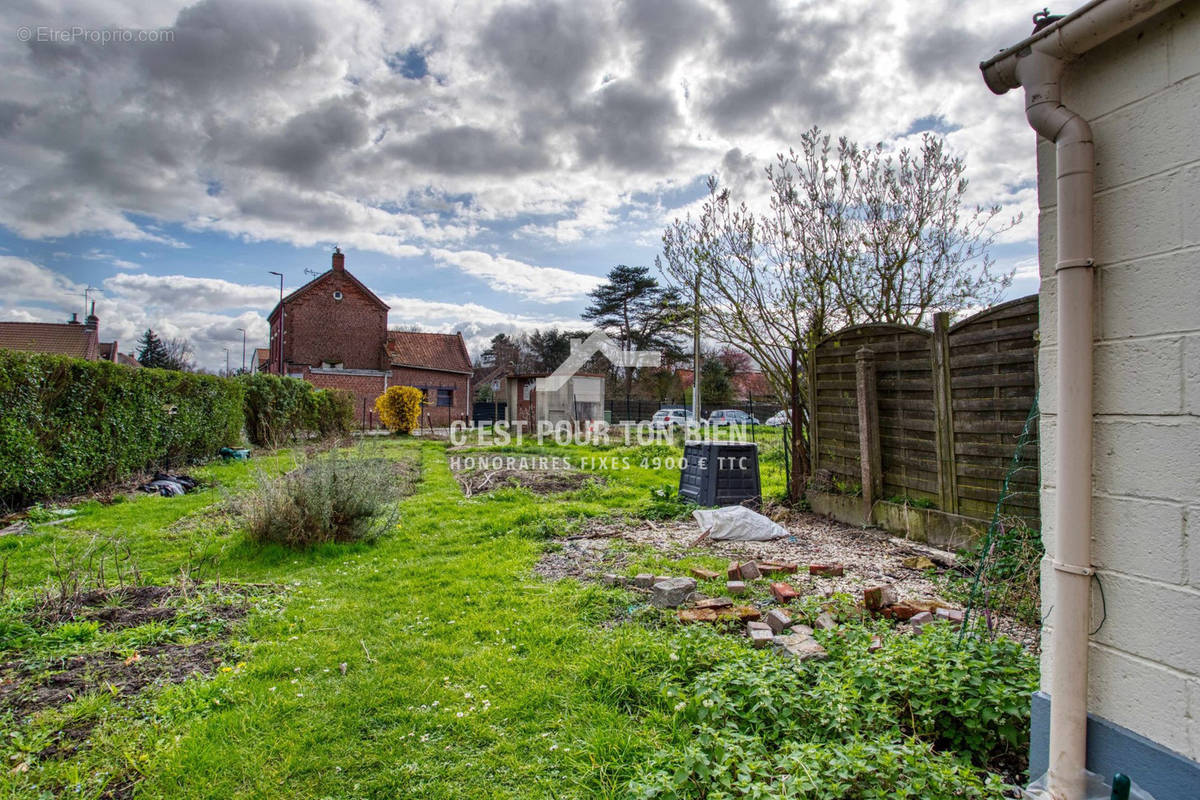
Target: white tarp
(737, 523)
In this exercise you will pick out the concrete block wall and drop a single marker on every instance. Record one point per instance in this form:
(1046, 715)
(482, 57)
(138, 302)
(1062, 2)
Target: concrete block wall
(1141, 93)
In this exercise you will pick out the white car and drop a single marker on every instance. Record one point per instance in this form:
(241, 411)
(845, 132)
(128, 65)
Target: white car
(671, 417)
(777, 419)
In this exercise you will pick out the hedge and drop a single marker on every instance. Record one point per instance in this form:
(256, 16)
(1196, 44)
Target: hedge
(68, 425)
(279, 409)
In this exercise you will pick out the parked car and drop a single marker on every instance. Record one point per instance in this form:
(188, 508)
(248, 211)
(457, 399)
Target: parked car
(728, 416)
(778, 419)
(671, 417)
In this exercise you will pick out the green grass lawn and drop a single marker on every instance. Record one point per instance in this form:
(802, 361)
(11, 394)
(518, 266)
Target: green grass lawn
(464, 675)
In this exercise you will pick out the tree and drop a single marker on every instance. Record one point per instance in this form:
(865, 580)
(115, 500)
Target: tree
(633, 308)
(502, 351)
(716, 384)
(179, 354)
(152, 352)
(849, 236)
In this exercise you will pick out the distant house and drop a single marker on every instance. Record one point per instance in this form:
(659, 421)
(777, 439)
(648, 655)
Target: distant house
(72, 338)
(581, 399)
(261, 360)
(332, 332)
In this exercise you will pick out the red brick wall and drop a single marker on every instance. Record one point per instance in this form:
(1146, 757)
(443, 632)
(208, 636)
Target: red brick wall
(318, 328)
(431, 381)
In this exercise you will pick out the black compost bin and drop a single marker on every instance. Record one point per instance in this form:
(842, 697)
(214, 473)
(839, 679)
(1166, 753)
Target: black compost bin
(720, 473)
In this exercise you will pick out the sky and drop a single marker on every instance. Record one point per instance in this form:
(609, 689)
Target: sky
(482, 164)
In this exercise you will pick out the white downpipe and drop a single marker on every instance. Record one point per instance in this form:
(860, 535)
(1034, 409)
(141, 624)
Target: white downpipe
(1037, 64)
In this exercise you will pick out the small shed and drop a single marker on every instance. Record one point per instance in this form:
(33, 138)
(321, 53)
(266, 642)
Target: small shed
(580, 398)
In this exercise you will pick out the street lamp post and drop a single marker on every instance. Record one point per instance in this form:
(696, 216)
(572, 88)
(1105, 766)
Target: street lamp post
(243, 330)
(226, 349)
(280, 274)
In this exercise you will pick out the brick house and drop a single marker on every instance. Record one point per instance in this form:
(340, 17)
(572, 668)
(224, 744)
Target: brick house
(335, 336)
(72, 338)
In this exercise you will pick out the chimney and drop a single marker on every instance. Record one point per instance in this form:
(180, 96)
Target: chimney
(339, 260)
(74, 320)
(92, 322)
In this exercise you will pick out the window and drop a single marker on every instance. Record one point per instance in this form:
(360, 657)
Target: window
(445, 397)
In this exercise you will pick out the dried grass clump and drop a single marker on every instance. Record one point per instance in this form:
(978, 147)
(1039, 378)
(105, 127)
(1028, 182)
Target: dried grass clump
(334, 497)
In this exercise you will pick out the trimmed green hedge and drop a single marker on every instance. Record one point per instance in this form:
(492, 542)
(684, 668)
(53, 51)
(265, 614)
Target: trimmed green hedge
(68, 425)
(279, 409)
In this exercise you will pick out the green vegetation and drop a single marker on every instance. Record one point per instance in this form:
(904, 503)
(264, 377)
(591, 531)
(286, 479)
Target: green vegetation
(337, 496)
(69, 425)
(434, 664)
(281, 409)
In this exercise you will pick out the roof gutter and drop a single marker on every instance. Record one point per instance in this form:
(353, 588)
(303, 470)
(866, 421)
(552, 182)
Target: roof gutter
(1036, 64)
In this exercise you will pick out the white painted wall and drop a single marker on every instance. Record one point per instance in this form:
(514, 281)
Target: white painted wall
(1141, 94)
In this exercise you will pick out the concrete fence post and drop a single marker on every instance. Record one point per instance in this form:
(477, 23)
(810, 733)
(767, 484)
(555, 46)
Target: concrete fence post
(870, 454)
(943, 413)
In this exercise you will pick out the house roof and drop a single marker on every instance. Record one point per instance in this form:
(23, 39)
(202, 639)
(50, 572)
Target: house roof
(321, 279)
(128, 361)
(58, 338)
(262, 354)
(108, 351)
(444, 352)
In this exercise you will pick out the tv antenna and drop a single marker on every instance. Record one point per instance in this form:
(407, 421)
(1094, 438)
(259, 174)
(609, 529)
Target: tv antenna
(312, 272)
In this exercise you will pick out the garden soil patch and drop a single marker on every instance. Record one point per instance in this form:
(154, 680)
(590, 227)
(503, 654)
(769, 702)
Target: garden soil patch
(549, 481)
(26, 689)
(30, 685)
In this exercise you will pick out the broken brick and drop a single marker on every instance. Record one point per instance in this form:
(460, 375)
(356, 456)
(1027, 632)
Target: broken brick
(783, 592)
(643, 580)
(733, 571)
(949, 615)
(776, 567)
(672, 592)
(760, 638)
(826, 570)
(749, 571)
(879, 597)
(610, 579)
(735, 587)
(704, 574)
(800, 647)
(778, 620)
(715, 602)
(919, 621)
(825, 622)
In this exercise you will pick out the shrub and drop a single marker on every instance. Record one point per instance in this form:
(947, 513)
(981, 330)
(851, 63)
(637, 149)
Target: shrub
(277, 408)
(400, 408)
(69, 425)
(335, 497)
(333, 412)
(280, 409)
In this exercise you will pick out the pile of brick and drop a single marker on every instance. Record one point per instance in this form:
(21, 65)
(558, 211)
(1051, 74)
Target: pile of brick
(776, 628)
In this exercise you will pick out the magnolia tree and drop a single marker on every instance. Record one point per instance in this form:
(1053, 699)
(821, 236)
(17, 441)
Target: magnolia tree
(850, 235)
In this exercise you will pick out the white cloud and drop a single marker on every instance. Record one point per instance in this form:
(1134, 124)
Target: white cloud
(197, 294)
(477, 323)
(265, 121)
(547, 284)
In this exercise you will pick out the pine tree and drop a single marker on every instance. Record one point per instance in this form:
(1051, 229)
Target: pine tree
(152, 352)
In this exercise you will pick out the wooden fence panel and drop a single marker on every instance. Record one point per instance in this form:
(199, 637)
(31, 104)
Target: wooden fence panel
(993, 379)
(951, 405)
